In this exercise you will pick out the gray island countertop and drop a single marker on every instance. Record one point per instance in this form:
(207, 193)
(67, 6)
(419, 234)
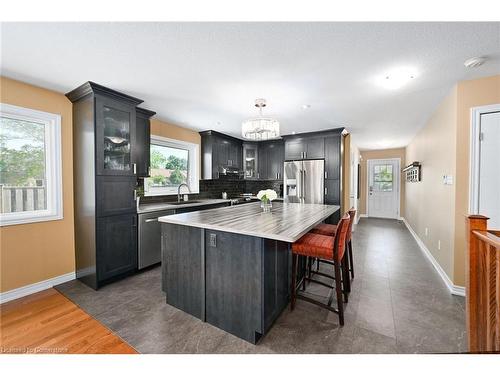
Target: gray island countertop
(286, 222)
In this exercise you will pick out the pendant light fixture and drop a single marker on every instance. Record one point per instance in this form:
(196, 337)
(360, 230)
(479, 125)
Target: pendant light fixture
(260, 128)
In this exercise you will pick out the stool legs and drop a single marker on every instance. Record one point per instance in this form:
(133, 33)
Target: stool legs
(351, 259)
(295, 264)
(338, 290)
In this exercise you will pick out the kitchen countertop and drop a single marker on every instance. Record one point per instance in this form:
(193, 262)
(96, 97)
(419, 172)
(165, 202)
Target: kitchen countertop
(286, 222)
(152, 207)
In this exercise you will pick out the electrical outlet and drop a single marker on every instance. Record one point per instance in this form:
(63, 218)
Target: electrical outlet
(213, 240)
(439, 244)
(426, 232)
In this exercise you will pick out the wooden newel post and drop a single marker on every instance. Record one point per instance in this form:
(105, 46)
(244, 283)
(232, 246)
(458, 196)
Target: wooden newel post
(474, 222)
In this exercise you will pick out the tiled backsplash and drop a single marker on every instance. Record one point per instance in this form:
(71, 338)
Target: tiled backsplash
(212, 189)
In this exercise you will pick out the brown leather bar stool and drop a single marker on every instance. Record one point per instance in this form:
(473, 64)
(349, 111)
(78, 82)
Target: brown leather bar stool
(329, 230)
(331, 248)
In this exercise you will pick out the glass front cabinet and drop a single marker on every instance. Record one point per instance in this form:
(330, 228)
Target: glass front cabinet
(115, 137)
(250, 160)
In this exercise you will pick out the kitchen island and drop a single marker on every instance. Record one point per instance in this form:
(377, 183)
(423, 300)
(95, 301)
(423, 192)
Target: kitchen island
(231, 266)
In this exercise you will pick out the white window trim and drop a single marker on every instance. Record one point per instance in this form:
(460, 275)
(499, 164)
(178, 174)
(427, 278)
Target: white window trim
(193, 163)
(475, 145)
(53, 166)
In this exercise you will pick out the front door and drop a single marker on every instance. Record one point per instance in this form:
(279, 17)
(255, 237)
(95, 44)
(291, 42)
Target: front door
(383, 188)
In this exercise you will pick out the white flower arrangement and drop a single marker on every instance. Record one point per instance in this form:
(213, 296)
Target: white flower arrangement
(267, 196)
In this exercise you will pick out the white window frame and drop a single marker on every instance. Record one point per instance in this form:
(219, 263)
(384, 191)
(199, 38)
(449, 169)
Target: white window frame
(193, 164)
(53, 166)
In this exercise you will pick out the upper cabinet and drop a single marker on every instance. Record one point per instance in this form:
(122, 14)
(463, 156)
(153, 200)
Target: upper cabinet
(332, 156)
(251, 160)
(304, 147)
(271, 159)
(143, 141)
(219, 153)
(115, 136)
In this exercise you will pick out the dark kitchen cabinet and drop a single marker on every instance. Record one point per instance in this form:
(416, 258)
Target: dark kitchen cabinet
(219, 152)
(250, 160)
(143, 141)
(271, 159)
(110, 151)
(295, 149)
(332, 156)
(116, 245)
(115, 195)
(115, 131)
(304, 147)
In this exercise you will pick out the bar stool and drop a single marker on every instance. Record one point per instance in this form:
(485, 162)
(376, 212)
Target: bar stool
(331, 248)
(329, 230)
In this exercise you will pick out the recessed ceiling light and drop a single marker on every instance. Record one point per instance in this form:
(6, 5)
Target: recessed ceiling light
(293, 132)
(306, 106)
(474, 62)
(396, 78)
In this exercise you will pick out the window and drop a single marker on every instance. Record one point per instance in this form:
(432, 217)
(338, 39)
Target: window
(30, 166)
(172, 163)
(382, 177)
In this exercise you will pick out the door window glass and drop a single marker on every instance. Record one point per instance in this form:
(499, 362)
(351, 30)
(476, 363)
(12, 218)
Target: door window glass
(383, 177)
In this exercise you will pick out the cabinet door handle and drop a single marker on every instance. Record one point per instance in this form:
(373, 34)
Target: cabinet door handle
(135, 195)
(134, 165)
(150, 220)
(326, 191)
(326, 174)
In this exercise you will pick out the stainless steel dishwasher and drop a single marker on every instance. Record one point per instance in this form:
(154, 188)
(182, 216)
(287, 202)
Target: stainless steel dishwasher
(150, 237)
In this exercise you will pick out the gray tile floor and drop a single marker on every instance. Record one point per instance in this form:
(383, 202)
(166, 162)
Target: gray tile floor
(398, 304)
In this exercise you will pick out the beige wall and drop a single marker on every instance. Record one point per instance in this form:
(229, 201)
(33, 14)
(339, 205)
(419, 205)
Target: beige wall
(35, 252)
(443, 148)
(471, 94)
(379, 154)
(39, 251)
(429, 203)
(167, 130)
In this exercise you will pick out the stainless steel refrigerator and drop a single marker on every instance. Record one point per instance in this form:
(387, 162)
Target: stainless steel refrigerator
(304, 181)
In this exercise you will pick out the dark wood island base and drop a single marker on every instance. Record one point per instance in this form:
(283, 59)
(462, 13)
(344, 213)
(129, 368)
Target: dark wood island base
(236, 282)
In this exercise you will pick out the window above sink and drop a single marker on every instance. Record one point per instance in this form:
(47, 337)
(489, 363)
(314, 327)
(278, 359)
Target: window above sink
(173, 162)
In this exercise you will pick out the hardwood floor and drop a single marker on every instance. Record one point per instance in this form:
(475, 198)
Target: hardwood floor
(48, 322)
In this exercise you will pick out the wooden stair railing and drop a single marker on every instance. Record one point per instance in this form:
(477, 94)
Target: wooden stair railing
(483, 286)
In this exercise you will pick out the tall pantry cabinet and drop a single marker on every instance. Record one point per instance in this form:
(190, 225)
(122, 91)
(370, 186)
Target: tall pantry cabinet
(109, 150)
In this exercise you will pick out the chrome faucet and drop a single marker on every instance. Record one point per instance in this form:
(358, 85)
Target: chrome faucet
(179, 191)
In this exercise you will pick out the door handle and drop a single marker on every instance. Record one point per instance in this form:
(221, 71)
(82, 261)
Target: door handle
(135, 195)
(326, 191)
(151, 220)
(134, 165)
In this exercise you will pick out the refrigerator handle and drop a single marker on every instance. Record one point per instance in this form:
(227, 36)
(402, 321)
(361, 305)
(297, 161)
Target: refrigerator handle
(304, 185)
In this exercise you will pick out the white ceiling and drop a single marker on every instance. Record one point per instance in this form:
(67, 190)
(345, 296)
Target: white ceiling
(207, 75)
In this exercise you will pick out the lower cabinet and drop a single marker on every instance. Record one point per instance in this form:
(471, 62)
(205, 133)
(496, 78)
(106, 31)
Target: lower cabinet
(116, 250)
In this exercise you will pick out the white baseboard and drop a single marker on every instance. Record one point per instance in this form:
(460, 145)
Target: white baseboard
(454, 289)
(36, 287)
(362, 215)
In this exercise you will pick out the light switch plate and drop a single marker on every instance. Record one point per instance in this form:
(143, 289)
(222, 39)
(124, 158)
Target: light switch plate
(448, 179)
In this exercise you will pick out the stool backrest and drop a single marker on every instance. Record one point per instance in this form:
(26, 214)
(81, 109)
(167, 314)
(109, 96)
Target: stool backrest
(340, 237)
(352, 215)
